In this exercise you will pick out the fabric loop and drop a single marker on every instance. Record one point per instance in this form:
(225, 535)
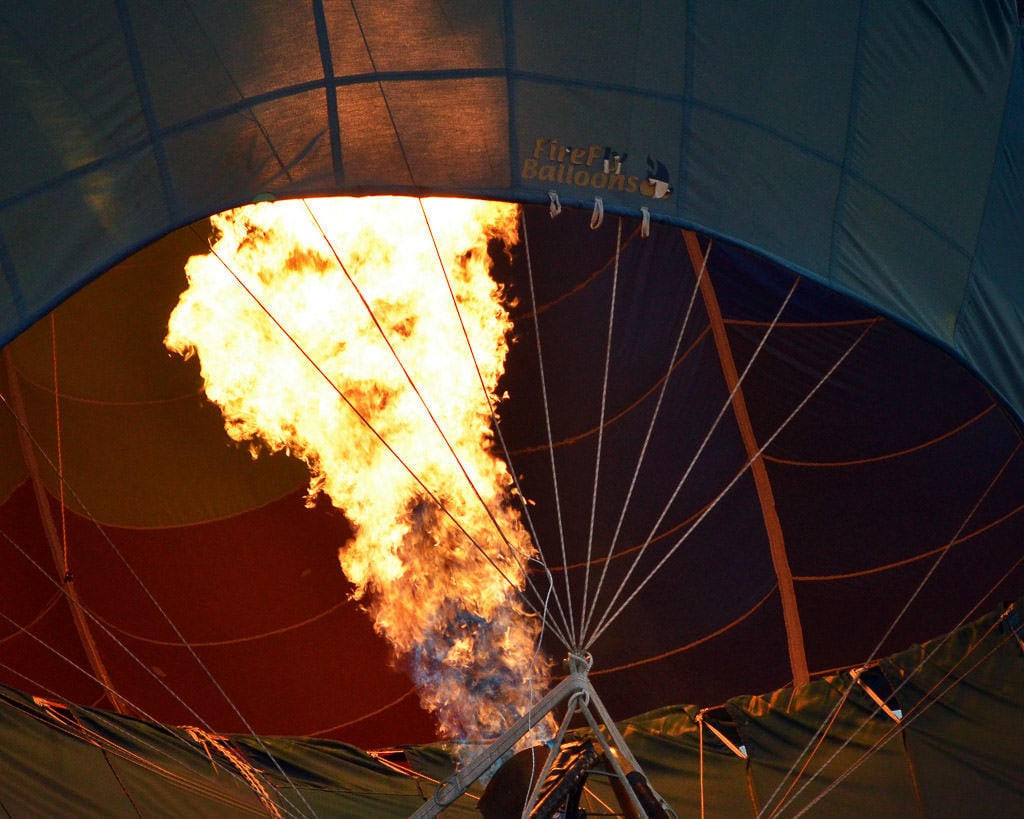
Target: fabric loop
(555, 207)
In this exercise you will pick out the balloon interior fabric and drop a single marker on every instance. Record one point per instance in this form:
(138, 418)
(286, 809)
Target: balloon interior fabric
(898, 480)
(70, 759)
(796, 482)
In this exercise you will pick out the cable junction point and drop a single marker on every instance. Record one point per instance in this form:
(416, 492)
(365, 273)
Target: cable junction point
(564, 771)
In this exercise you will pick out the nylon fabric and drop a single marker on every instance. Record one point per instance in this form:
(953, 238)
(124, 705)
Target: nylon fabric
(165, 773)
(952, 756)
(859, 148)
(814, 120)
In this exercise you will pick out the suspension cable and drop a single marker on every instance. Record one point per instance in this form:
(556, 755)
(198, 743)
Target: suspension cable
(495, 423)
(600, 430)
(547, 422)
(913, 596)
(611, 617)
(95, 678)
(693, 462)
(923, 706)
(513, 550)
(647, 440)
(539, 558)
(373, 430)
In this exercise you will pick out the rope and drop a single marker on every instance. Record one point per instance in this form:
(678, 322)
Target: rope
(600, 431)
(907, 721)
(94, 677)
(28, 445)
(555, 206)
(60, 445)
(214, 742)
(547, 419)
(692, 644)
(700, 758)
(57, 597)
(408, 377)
(495, 423)
(908, 718)
(73, 727)
(233, 641)
(99, 682)
(376, 712)
(913, 596)
(587, 433)
(611, 618)
(889, 455)
(408, 167)
(578, 288)
(821, 734)
(433, 497)
(674, 360)
(149, 594)
(693, 462)
(914, 558)
(629, 550)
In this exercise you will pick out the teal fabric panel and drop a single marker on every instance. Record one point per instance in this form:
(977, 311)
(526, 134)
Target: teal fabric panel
(927, 108)
(863, 143)
(990, 330)
(767, 124)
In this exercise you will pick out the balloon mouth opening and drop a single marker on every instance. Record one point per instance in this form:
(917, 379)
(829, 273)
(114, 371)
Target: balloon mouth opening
(868, 446)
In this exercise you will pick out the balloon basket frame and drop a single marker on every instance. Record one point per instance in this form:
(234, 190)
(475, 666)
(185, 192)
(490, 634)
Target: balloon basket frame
(578, 693)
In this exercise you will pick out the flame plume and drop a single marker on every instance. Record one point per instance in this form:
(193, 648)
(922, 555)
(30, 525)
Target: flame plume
(454, 621)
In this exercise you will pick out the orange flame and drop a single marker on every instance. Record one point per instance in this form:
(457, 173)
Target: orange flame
(430, 584)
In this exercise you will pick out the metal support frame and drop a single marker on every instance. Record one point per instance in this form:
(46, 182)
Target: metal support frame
(581, 697)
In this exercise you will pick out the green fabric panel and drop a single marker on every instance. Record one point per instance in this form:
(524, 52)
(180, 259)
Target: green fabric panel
(962, 699)
(86, 762)
(96, 764)
(434, 761)
(667, 744)
(337, 779)
(959, 758)
(776, 729)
